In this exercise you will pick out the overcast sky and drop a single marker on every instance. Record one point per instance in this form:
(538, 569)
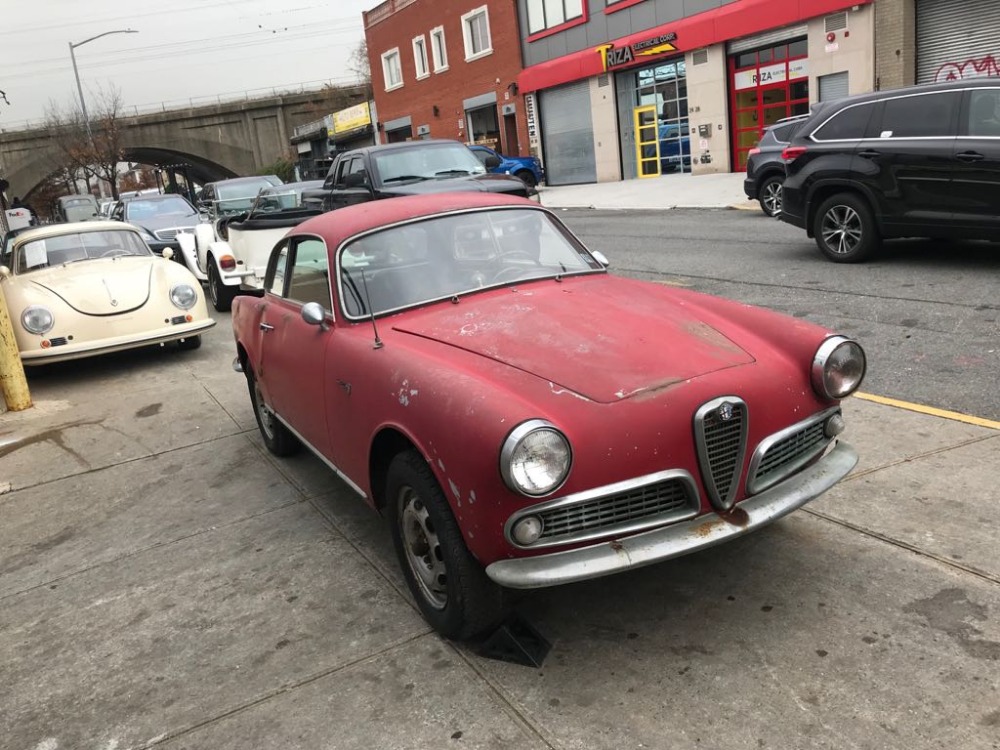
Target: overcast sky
(184, 49)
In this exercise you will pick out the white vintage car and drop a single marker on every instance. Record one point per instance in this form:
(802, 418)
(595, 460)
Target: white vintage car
(87, 288)
(230, 252)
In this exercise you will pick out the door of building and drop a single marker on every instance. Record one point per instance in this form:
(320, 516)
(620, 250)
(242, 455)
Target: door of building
(647, 141)
(568, 135)
(957, 39)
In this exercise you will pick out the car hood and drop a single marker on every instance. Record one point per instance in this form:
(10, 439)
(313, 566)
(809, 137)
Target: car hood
(486, 183)
(107, 286)
(603, 338)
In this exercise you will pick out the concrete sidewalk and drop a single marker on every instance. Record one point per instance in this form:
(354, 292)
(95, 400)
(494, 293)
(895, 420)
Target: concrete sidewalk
(165, 582)
(654, 193)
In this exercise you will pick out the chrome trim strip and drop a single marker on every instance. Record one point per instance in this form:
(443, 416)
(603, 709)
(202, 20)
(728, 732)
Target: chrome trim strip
(722, 503)
(675, 540)
(318, 455)
(767, 443)
(607, 490)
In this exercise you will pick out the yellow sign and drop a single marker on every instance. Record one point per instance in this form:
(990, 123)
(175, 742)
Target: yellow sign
(352, 118)
(616, 57)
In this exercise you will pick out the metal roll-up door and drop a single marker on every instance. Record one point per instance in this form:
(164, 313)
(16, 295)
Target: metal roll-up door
(767, 38)
(568, 135)
(957, 39)
(833, 87)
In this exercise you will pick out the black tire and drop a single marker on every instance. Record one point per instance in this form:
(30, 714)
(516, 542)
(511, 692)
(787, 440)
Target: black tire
(769, 195)
(451, 588)
(221, 295)
(845, 229)
(277, 438)
(189, 344)
(527, 177)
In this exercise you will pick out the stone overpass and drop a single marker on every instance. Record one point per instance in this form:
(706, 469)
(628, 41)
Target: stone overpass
(216, 141)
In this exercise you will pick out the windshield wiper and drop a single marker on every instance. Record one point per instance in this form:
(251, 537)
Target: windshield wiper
(406, 177)
(444, 172)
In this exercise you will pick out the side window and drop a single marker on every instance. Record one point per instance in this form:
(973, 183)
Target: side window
(274, 281)
(357, 165)
(310, 278)
(984, 113)
(481, 155)
(926, 116)
(847, 125)
(338, 180)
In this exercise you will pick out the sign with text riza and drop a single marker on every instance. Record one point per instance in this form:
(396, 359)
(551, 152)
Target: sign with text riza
(778, 73)
(352, 118)
(619, 57)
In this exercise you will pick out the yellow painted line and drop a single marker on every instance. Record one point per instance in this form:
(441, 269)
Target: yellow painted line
(930, 410)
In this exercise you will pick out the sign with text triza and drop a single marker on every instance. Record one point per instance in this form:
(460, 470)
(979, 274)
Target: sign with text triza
(619, 57)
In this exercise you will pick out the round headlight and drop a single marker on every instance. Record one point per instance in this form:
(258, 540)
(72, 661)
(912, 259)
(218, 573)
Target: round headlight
(535, 458)
(838, 367)
(37, 319)
(183, 296)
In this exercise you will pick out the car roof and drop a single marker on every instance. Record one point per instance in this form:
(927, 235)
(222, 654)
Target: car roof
(337, 226)
(72, 227)
(405, 145)
(924, 88)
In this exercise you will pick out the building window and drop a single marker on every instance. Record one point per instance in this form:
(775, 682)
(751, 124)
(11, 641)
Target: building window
(391, 71)
(438, 50)
(420, 57)
(476, 29)
(545, 14)
(484, 128)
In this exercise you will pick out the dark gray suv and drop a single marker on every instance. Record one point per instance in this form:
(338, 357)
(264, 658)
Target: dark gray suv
(765, 167)
(916, 162)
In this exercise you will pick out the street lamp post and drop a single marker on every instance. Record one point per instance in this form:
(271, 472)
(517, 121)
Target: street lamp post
(79, 88)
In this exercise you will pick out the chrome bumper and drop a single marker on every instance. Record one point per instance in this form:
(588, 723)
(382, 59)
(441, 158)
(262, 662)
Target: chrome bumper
(680, 538)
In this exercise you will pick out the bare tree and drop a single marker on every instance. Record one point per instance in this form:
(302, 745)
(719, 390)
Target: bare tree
(93, 148)
(359, 64)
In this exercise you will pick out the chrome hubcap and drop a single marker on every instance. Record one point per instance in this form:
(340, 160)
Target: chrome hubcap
(423, 549)
(772, 198)
(842, 229)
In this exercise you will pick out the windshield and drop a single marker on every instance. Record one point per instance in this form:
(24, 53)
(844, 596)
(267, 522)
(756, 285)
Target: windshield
(276, 201)
(242, 189)
(428, 163)
(138, 209)
(70, 248)
(451, 255)
(70, 202)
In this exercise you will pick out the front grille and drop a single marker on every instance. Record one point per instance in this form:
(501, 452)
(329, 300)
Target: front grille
(166, 234)
(785, 452)
(626, 508)
(720, 428)
(58, 341)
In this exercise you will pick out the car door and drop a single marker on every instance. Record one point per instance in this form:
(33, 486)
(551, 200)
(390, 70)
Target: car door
(976, 181)
(911, 154)
(292, 366)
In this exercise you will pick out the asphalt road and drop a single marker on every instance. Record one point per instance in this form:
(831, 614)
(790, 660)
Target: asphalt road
(927, 312)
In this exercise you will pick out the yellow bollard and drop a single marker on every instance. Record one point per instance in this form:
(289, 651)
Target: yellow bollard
(13, 384)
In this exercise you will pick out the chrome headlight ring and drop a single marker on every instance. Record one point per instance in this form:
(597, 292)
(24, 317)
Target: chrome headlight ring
(37, 319)
(535, 458)
(183, 296)
(838, 367)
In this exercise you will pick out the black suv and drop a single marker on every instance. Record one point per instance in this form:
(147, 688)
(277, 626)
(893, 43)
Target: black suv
(765, 167)
(917, 162)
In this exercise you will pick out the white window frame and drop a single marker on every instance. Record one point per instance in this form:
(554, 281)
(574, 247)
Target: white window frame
(439, 52)
(387, 56)
(540, 24)
(472, 15)
(420, 57)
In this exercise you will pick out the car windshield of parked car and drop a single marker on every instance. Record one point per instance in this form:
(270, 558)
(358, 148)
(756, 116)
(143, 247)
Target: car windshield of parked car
(138, 209)
(276, 200)
(429, 163)
(453, 255)
(241, 189)
(70, 248)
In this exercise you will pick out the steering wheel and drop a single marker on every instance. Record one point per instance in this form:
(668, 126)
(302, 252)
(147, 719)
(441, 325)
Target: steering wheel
(516, 270)
(113, 253)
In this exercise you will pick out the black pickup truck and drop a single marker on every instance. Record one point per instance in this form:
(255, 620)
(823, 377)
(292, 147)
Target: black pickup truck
(409, 168)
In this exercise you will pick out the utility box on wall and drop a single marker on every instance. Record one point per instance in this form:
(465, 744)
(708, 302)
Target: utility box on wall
(705, 131)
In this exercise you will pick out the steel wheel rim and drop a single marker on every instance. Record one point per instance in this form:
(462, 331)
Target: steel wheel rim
(213, 291)
(263, 413)
(422, 549)
(772, 198)
(842, 231)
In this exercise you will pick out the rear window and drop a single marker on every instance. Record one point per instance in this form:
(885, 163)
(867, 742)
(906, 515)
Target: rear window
(784, 133)
(847, 125)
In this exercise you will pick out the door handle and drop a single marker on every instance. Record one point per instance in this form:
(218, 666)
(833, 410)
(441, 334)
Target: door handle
(869, 154)
(969, 156)
(266, 327)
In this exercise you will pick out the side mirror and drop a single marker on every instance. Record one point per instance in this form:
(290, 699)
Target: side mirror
(492, 161)
(600, 258)
(314, 314)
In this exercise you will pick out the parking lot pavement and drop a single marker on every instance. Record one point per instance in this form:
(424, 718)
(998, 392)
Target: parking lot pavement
(164, 582)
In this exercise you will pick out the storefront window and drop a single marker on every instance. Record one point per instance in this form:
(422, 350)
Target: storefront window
(768, 85)
(665, 87)
(484, 127)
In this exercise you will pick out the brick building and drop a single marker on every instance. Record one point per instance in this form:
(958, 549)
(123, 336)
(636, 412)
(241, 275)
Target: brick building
(447, 70)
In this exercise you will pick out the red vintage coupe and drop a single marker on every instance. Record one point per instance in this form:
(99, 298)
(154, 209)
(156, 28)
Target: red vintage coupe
(522, 416)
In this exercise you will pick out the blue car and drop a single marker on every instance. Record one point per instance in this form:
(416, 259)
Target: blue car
(675, 147)
(528, 168)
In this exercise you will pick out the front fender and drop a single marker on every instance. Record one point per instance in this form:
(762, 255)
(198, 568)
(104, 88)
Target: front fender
(189, 254)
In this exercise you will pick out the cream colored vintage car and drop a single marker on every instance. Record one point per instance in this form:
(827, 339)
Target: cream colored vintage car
(81, 289)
